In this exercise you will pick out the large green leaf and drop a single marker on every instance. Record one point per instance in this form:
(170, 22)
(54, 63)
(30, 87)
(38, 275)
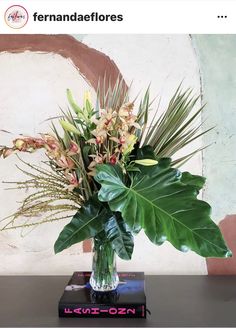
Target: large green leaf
(193, 180)
(145, 152)
(165, 207)
(120, 237)
(85, 224)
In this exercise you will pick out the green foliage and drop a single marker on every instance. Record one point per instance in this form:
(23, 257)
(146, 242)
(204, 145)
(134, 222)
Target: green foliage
(167, 133)
(85, 224)
(135, 193)
(175, 128)
(112, 96)
(91, 220)
(120, 237)
(164, 203)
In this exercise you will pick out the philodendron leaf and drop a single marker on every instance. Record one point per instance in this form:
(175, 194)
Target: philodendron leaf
(85, 224)
(145, 152)
(193, 180)
(165, 207)
(120, 237)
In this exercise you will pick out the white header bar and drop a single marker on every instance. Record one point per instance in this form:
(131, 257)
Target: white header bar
(148, 16)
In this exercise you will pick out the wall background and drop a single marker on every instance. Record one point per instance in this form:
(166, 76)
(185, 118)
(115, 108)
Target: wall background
(216, 55)
(32, 88)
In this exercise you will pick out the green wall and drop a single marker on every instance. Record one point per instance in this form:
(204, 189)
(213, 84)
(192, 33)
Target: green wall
(217, 62)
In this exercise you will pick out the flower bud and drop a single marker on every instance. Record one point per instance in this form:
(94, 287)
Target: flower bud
(7, 152)
(146, 162)
(69, 127)
(20, 144)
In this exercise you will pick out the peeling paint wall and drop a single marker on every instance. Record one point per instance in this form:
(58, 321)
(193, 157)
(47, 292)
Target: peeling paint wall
(217, 60)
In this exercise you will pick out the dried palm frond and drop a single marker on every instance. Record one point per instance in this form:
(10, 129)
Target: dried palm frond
(170, 132)
(112, 96)
(176, 127)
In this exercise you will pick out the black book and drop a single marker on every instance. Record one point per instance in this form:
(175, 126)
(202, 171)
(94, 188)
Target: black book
(127, 301)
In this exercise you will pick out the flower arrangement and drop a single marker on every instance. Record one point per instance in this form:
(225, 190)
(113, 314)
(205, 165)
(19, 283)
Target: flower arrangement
(112, 168)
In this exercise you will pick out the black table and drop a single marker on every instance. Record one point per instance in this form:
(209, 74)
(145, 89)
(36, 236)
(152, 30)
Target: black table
(174, 301)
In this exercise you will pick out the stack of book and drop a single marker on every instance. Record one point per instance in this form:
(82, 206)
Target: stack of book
(128, 300)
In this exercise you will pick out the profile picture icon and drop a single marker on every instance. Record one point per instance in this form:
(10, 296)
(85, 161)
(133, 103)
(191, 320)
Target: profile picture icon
(16, 16)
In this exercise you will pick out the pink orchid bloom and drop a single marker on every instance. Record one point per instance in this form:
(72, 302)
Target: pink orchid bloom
(51, 143)
(72, 178)
(73, 148)
(113, 159)
(65, 162)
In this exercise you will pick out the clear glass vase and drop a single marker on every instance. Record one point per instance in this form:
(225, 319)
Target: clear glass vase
(104, 277)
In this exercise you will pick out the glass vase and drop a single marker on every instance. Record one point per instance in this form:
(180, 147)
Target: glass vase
(104, 277)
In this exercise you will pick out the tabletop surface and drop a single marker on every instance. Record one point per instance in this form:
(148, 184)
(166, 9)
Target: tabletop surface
(174, 301)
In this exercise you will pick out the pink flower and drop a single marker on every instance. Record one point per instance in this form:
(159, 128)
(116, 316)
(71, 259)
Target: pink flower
(126, 109)
(28, 144)
(122, 139)
(97, 159)
(73, 180)
(73, 148)
(99, 140)
(38, 142)
(51, 143)
(113, 159)
(65, 162)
